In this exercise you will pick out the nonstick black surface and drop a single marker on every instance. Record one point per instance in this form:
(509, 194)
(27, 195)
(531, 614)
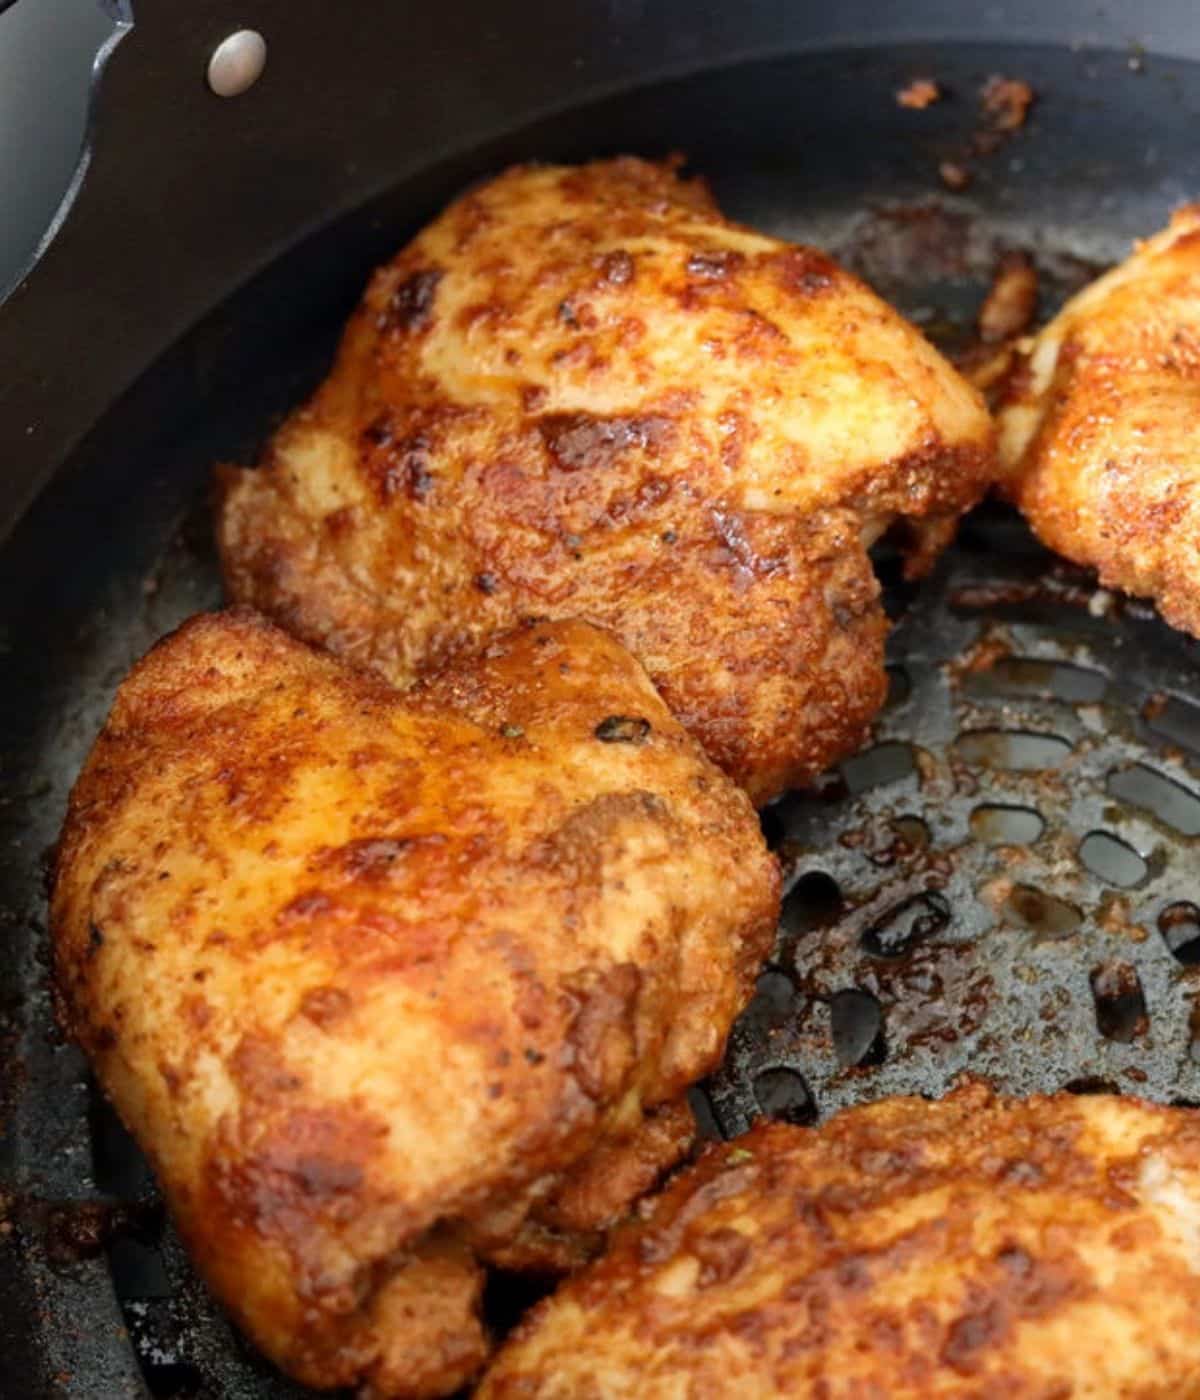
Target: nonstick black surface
(923, 934)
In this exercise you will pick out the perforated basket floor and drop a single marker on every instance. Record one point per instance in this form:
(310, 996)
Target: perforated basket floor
(1006, 882)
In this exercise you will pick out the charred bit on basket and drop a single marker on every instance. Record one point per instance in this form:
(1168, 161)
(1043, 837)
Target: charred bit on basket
(1004, 104)
(954, 175)
(919, 94)
(1004, 107)
(1007, 313)
(1011, 303)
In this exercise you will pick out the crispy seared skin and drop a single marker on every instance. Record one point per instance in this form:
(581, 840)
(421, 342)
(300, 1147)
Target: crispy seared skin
(390, 986)
(1100, 431)
(977, 1247)
(582, 392)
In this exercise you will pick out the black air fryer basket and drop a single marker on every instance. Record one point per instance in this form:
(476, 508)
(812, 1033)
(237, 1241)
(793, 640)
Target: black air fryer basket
(1005, 883)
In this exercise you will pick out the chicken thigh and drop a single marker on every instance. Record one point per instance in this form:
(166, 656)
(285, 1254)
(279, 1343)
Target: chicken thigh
(972, 1248)
(582, 392)
(390, 987)
(1100, 429)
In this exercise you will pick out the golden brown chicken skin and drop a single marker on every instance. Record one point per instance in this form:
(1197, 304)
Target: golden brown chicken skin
(582, 392)
(1100, 431)
(977, 1247)
(391, 987)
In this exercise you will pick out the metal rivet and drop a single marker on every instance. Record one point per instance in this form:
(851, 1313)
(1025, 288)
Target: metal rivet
(237, 63)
